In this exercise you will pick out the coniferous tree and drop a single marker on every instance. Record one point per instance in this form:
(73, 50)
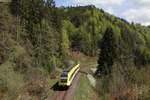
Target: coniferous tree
(108, 52)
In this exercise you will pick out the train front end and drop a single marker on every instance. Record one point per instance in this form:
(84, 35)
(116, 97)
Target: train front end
(64, 80)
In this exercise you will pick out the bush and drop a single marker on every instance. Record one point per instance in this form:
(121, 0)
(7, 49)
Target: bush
(11, 83)
(23, 63)
(142, 56)
(36, 82)
(121, 84)
(143, 81)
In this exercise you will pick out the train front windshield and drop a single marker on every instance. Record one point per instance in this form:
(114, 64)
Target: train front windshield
(64, 77)
(63, 80)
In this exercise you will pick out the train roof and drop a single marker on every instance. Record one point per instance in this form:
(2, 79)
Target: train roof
(68, 69)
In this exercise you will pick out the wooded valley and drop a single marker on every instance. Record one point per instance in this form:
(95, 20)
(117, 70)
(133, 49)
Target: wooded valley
(36, 38)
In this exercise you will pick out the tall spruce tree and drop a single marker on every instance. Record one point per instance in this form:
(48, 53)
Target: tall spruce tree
(108, 52)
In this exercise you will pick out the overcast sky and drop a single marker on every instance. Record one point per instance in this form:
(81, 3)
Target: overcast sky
(137, 11)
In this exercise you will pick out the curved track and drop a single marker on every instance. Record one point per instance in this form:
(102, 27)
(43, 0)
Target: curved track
(68, 94)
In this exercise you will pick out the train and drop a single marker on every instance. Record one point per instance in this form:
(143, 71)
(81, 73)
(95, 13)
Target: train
(68, 75)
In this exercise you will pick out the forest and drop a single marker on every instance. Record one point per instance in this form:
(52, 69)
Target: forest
(36, 38)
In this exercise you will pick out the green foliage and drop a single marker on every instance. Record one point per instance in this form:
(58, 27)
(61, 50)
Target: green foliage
(74, 35)
(108, 52)
(118, 82)
(142, 55)
(35, 34)
(42, 24)
(30, 39)
(11, 82)
(64, 43)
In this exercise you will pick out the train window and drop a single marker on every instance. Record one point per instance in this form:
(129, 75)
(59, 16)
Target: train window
(63, 80)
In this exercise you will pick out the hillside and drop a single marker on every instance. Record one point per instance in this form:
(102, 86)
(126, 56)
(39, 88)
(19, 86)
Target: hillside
(89, 24)
(37, 39)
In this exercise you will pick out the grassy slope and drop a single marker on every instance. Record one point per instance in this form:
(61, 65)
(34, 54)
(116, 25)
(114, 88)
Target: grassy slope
(84, 89)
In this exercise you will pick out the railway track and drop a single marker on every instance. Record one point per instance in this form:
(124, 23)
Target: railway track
(68, 94)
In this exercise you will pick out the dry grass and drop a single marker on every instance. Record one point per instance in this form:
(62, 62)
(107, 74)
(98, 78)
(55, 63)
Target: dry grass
(83, 59)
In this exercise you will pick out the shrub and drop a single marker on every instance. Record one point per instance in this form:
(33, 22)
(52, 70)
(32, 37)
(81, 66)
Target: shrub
(11, 82)
(36, 82)
(121, 84)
